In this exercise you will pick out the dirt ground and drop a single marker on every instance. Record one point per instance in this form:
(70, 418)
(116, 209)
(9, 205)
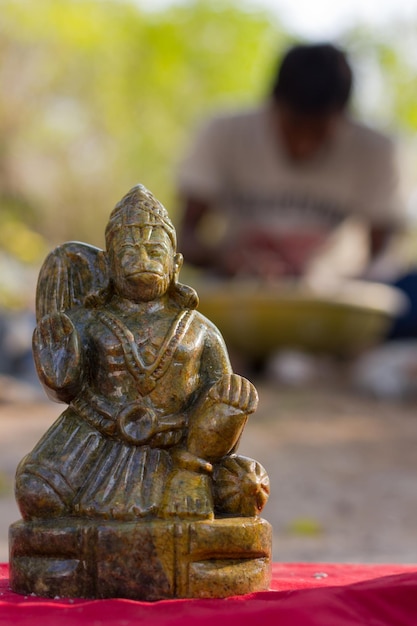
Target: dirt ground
(343, 469)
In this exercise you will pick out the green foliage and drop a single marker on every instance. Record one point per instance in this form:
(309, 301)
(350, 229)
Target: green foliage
(386, 68)
(305, 527)
(101, 95)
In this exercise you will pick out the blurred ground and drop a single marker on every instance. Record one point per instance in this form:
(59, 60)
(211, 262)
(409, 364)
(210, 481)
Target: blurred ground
(343, 469)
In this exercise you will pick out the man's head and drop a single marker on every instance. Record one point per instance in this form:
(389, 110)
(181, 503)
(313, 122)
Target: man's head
(310, 93)
(141, 242)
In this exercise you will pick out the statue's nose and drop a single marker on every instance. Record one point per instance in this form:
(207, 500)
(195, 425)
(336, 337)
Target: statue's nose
(142, 261)
(143, 256)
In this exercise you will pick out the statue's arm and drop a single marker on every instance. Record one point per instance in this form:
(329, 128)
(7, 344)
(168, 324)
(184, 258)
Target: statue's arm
(215, 361)
(57, 351)
(220, 413)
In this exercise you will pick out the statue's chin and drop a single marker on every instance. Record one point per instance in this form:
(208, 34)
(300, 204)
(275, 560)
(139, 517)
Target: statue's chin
(147, 286)
(147, 295)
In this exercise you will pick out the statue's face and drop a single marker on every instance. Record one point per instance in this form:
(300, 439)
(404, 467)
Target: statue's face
(142, 262)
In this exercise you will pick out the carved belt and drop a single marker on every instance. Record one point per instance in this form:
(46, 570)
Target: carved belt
(96, 411)
(135, 423)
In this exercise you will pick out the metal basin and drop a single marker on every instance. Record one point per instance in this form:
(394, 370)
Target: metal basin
(341, 319)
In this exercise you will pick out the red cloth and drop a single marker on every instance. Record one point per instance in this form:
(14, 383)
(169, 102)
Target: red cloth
(302, 594)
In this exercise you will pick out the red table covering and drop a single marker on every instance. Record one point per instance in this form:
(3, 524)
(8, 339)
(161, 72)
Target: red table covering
(301, 594)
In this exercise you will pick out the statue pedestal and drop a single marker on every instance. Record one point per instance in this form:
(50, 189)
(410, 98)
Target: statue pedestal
(143, 560)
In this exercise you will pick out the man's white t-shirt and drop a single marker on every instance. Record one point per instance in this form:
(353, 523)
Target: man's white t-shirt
(239, 166)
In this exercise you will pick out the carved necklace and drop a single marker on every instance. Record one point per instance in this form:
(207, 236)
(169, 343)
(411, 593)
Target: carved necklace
(147, 375)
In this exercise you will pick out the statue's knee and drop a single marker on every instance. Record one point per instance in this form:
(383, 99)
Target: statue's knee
(36, 498)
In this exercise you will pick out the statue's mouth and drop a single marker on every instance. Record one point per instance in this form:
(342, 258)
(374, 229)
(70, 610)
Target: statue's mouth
(145, 274)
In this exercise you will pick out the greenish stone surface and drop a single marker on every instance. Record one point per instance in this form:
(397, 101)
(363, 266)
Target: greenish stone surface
(146, 560)
(137, 490)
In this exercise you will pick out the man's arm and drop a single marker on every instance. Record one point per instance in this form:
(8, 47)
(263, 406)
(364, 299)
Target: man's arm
(382, 265)
(381, 193)
(195, 251)
(379, 239)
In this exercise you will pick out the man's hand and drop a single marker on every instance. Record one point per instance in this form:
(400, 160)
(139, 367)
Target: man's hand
(268, 256)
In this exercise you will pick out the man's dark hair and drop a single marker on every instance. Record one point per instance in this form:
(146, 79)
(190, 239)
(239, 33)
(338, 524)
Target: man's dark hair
(314, 79)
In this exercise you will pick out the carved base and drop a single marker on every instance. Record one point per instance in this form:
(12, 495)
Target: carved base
(145, 560)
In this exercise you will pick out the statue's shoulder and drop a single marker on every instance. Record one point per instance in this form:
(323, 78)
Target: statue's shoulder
(205, 325)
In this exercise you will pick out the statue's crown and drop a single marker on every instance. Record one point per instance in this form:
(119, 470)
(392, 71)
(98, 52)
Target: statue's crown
(139, 207)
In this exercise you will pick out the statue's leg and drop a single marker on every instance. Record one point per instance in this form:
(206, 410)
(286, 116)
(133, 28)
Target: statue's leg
(49, 477)
(126, 483)
(214, 431)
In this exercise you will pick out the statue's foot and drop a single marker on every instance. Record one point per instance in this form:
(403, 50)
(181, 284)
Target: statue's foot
(187, 496)
(37, 499)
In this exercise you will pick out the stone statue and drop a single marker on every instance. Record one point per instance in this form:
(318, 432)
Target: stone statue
(136, 490)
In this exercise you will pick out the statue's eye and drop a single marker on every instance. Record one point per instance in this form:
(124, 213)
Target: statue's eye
(130, 250)
(129, 253)
(156, 252)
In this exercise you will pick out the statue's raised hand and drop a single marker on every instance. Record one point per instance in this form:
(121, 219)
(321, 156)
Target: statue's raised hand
(58, 356)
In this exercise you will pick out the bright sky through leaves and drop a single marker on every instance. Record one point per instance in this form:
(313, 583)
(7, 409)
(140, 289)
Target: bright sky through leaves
(318, 19)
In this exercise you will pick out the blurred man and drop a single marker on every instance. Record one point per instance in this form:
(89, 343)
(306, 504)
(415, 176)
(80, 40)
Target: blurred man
(279, 191)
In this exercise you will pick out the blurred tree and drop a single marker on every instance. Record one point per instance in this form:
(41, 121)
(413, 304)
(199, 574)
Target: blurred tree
(100, 95)
(385, 65)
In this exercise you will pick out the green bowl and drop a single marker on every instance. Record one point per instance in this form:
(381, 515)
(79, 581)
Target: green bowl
(341, 319)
